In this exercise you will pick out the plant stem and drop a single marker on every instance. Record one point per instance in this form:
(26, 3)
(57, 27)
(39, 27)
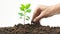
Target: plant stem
(24, 16)
(24, 19)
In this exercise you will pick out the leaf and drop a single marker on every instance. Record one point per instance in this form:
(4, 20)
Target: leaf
(27, 6)
(27, 17)
(28, 10)
(21, 14)
(22, 7)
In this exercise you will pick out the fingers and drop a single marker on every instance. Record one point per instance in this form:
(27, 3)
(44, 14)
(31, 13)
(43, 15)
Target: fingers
(42, 15)
(38, 11)
(45, 13)
(38, 18)
(35, 14)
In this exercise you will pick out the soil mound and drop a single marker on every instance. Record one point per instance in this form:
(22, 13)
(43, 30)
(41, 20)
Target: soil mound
(30, 29)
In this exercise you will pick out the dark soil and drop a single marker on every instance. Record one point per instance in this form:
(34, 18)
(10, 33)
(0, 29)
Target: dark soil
(30, 29)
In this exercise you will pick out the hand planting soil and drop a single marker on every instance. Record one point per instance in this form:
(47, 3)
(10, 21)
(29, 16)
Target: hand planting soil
(30, 29)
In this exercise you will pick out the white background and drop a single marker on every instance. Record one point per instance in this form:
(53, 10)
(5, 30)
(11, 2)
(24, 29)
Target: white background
(9, 12)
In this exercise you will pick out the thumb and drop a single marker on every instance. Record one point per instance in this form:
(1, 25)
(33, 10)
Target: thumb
(37, 18)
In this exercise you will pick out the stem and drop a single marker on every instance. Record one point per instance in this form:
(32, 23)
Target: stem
(24, 16)
(24, 19)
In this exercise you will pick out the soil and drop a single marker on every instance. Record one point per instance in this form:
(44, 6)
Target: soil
(30, 29)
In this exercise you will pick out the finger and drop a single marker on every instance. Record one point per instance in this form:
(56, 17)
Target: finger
(35, 14)
(42, 15)
(38, 11)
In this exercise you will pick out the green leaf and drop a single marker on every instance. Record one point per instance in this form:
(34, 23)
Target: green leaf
(21, 14)
(22, 7)
(28, 10)
(27, 17)
(27, 6)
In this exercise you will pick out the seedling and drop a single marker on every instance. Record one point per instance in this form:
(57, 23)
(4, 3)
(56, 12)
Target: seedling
(24, 10)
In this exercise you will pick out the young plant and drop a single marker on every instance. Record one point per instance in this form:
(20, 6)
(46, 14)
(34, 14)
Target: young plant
(24, 10)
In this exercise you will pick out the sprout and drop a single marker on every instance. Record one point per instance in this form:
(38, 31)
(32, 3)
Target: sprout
(24, 10)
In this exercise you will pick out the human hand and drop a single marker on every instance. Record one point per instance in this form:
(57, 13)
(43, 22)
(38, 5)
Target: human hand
(47, 12)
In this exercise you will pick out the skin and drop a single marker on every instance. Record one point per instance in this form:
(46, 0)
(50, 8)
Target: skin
(37, 12)
(44, 12)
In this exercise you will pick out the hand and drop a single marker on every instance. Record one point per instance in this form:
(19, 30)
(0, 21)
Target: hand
(37, 12)
(47, 12)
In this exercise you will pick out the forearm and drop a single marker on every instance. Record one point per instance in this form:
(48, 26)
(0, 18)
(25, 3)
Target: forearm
(58, 8)
(55, 9)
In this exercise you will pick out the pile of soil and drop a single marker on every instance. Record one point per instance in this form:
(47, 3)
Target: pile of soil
(30, 29)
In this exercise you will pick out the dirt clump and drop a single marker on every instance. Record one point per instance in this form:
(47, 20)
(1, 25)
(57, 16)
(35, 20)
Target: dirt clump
(30, 29)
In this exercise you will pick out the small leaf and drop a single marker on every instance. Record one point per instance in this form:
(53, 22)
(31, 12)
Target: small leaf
(27, 6)
(28, 10)
(22, 7)
(21, 14)
(27, 19)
